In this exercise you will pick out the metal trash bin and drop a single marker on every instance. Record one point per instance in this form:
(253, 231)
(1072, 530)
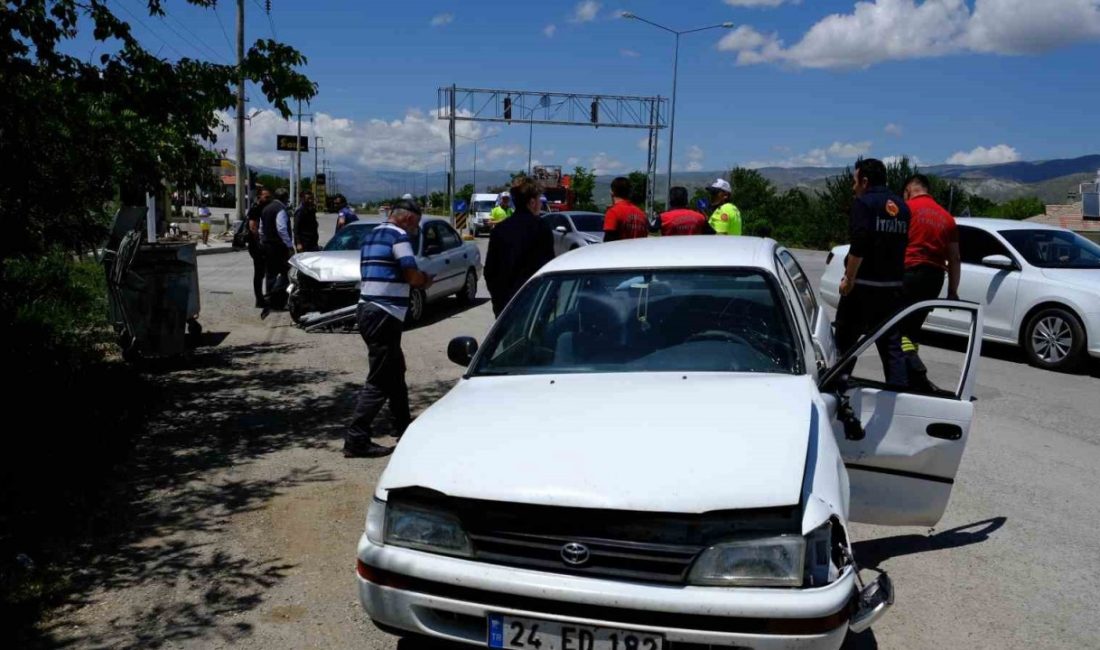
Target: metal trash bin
(154, 295)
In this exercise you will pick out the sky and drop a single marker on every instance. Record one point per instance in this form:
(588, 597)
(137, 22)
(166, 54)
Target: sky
(792, 83)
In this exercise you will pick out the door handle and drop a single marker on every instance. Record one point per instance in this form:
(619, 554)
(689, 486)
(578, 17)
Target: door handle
(944, 431)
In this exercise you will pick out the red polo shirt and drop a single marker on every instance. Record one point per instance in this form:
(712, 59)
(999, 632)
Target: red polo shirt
(931, 230)
(682, 222)
(626, 219)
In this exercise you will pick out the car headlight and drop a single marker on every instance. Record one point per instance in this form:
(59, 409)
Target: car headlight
(376, 522)
(764, 562)
(426, 530)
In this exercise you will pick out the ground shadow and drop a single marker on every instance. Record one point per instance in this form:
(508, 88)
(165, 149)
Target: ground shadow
(444, 309)
(862, 641)
(214, 411)
(872, 553)
(999, 351)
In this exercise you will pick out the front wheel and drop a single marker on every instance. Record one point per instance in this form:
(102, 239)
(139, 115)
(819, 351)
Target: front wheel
(416, 306)
(1054, 339)
(468, 293)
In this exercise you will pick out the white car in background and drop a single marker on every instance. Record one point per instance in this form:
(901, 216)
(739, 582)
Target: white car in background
(1039, 285)
(574, 229)
(669, 464)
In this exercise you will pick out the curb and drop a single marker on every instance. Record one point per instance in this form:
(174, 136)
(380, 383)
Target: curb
(217, 250)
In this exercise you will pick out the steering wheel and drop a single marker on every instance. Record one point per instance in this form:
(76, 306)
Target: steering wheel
(716, 335)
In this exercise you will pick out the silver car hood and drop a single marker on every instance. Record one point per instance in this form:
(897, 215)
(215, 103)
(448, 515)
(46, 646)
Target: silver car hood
(329, 266)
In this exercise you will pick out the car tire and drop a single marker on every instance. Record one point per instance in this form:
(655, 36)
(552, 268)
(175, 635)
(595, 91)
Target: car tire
(1054, 339)
(294, 308)
(468, 293)
(417, 301)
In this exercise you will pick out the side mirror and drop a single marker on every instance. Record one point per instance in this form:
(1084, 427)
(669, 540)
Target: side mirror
(461, 350)
(999, 262)
(561, 229)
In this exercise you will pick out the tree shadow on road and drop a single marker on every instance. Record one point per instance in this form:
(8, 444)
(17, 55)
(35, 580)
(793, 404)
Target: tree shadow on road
(153, 534)
(872, 553)
(444, 309)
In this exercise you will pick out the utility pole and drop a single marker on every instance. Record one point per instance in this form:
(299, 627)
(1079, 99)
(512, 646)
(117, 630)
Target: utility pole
(242, 166)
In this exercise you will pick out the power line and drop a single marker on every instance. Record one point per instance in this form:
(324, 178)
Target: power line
(148, 29)
(266, 8)
(198, 39)
(182, 38)
(224, 33)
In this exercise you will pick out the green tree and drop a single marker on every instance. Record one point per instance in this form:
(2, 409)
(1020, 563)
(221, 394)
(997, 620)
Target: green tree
(1019, 209)
(751, 191)
(584, 186)
(466, 193)
(638, 182)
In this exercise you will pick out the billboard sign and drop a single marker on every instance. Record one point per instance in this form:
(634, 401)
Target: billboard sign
(286, 143)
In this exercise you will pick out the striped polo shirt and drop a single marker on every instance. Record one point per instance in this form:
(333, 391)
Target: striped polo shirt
(385, 254)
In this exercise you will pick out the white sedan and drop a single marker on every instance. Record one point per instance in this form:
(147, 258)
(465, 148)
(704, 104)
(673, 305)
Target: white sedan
(573, 230)
(668, 459)
(1040, 286)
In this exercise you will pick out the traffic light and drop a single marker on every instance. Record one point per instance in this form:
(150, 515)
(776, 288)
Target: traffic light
(507, 108)
(595, 108)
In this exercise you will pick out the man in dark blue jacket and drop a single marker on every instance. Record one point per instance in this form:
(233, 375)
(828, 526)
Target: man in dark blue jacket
(870, 290)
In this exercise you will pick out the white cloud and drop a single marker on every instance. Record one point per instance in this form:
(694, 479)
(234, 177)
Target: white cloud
(415, 142)
(503, 151)
(604, 164)
(442, 19)
(585, 11)
(643, 143)
(572, 161)
(882, 30)
(548, 152)
(893, 129)
(913, 160)
(759, 3)
(695, 158)
(549, 30)
(838, 153)
(630, 54)
(1001, 153)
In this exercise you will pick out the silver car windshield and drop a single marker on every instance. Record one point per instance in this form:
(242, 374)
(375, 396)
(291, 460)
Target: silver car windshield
(725, 320)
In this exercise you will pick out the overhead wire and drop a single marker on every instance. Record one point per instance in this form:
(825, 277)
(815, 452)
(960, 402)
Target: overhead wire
(150, 30)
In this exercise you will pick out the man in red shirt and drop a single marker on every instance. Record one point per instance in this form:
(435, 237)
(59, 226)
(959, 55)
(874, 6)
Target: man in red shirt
(623, 220)
(680, 220)
(933, 249)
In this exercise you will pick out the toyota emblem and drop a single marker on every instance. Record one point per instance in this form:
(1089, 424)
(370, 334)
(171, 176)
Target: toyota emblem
(575, 554)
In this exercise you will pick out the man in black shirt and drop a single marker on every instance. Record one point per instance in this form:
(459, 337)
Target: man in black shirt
(255, 246)
(870, 290)
(305, 232)
(518, 247)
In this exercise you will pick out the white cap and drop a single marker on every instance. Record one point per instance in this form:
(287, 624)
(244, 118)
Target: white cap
(407, 196)
(721, 184)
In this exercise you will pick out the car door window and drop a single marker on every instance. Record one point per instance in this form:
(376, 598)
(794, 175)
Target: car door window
(801, 284)
(433, 239)
(449, 237)
(556, 220)
(976, 244)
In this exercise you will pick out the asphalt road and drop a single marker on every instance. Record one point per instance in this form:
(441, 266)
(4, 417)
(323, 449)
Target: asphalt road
(245, 515)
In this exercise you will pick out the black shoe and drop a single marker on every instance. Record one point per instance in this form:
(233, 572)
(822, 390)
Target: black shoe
(265, 313)
(369, 450)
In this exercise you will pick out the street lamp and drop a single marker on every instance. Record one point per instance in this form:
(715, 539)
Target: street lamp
(675, 69)
(475, 141)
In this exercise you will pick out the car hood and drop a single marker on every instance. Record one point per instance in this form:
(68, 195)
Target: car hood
(1081, 278)
(593, 237)
(329, 266)
(660, 442)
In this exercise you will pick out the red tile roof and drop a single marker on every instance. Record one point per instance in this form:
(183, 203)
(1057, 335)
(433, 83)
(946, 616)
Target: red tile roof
(1067, 216)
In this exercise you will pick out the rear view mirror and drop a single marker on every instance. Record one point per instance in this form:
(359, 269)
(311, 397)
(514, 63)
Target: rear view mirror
(461, 350)
(999, 262)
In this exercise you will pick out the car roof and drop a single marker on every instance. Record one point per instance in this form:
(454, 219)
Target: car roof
(573, 213)
(991, 223)
(669, 252)
(374, 220)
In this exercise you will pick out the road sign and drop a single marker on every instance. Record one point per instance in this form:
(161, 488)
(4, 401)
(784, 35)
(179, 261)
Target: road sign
(286, 143)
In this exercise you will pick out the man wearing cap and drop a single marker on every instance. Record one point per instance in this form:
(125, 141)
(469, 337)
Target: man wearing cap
(388, 269)
(726, 218)
(502, 211)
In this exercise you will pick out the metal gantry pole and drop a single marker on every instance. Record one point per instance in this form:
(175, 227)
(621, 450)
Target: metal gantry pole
(242, 165)
(672, 116)
(451, 173)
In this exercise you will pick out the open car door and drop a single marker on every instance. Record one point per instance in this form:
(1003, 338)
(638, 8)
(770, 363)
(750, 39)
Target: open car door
(902, 470)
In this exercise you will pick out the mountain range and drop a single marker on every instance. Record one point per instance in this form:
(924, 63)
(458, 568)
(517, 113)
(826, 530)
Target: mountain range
(1050, 180)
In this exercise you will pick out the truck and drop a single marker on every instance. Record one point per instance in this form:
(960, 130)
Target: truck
(557, 188)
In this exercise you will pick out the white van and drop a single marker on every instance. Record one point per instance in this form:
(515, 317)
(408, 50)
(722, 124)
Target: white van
(480, 219)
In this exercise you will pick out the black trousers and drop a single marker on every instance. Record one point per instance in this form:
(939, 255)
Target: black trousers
(921, 283)
(276, 256)
(386, 377)
(259, 269)
(860, 313)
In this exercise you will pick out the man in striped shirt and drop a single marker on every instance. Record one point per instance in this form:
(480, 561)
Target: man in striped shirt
(388, 269)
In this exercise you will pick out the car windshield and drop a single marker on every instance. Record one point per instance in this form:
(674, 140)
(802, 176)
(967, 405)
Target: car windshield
(588, 222)
(350, 238)
(656, 320)
(1054, 249)
(484, 206)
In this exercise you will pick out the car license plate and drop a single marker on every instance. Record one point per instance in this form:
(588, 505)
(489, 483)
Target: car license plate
(530, 634)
